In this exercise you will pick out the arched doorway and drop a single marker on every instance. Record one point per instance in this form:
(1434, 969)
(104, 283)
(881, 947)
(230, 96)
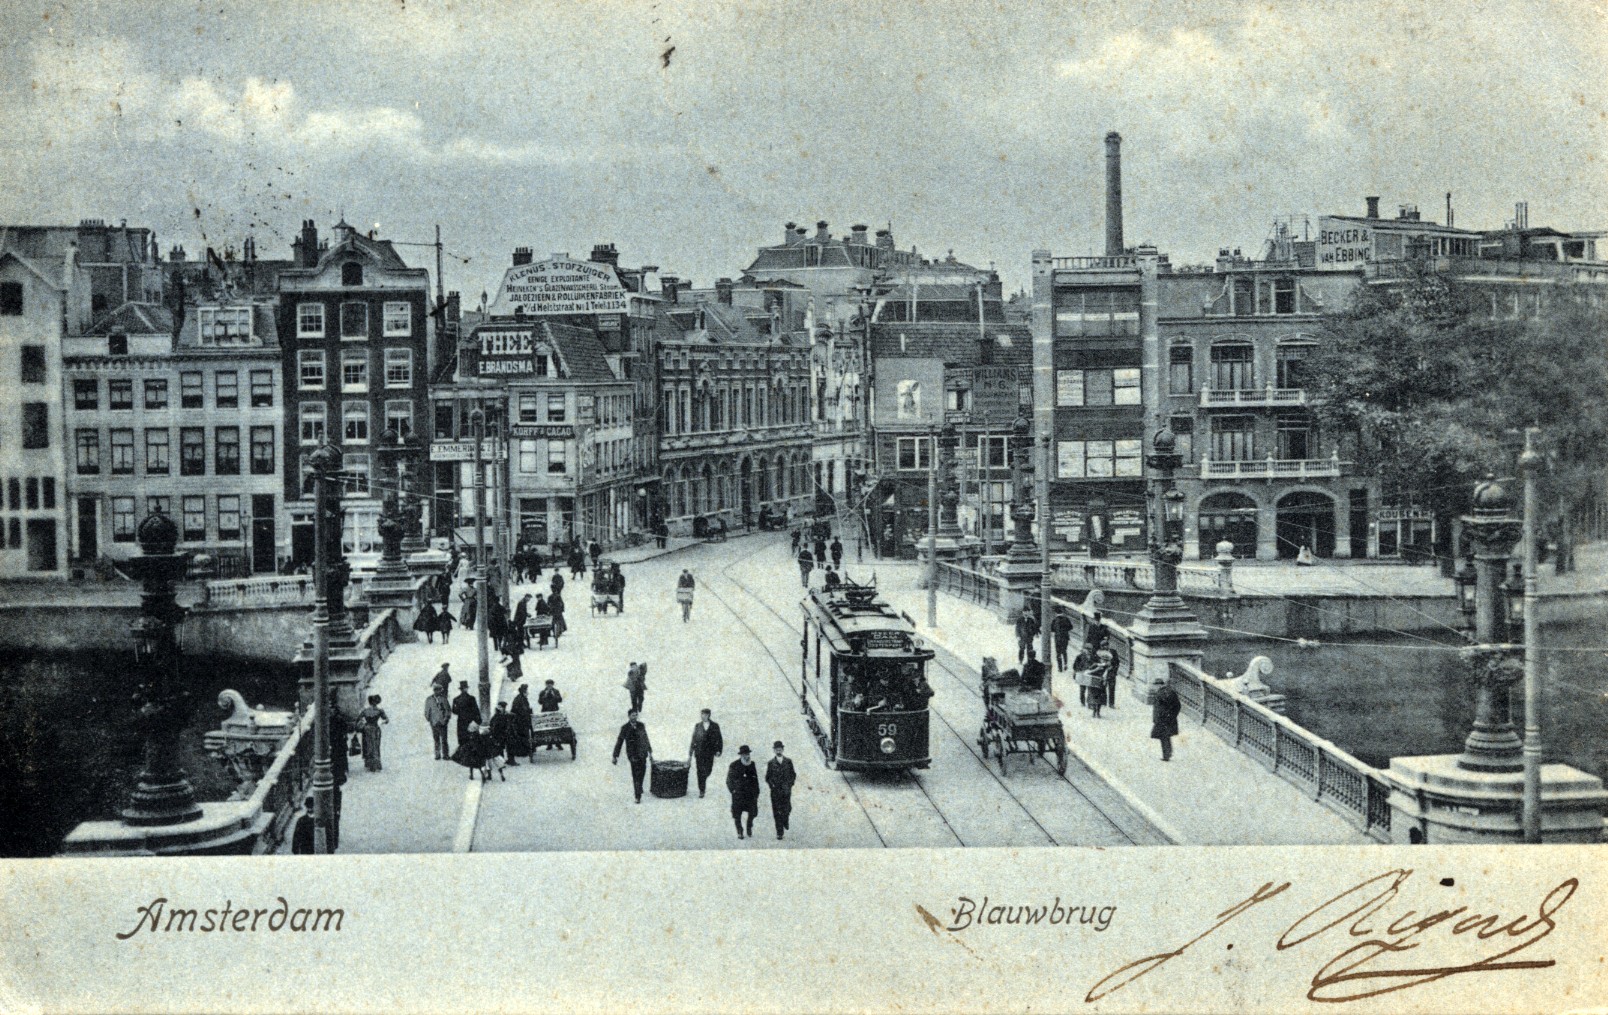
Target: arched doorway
(1305, 518)
(1230, 516)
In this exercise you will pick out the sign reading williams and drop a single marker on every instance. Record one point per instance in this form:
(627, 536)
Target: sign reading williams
(559, 286)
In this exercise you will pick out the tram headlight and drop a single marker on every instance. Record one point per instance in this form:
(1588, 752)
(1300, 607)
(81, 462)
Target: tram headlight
(887, 745)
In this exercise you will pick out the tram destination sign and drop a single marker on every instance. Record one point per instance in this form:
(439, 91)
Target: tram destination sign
(896, 640)
(559, 285)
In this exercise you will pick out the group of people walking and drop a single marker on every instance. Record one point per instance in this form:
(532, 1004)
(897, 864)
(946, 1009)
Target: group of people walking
(484, 745)
(1095, 670)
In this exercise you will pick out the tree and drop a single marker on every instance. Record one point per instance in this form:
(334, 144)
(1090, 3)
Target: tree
(1438, 389)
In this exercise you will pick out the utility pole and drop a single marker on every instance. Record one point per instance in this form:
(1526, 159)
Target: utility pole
(1529, 462)
(500, 535)
(323, 462)
(932, 528)
(441, 295)
(985, 483)
(477, 420)
(1045, 613)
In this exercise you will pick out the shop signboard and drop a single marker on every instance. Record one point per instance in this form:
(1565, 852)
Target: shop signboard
(464, 451)
(559, 286)
(994, 395)
(1343, 244)
(534, 431)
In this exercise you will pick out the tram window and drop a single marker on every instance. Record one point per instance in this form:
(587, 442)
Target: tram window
(882, 685)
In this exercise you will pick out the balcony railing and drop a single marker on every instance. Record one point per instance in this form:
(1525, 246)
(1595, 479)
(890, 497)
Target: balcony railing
(1095, 263)
(1251, 397)
(1271, 468)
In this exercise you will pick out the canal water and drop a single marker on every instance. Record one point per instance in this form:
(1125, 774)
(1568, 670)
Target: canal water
(68, 748)
(1380, 697)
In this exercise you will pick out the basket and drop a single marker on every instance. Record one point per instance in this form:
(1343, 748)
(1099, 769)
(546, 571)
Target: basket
(669, 779)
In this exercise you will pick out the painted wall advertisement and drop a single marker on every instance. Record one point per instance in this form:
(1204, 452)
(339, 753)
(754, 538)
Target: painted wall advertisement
(995, 395)
(910, 391)
(1343, 244)
(559, 286)
(507, 352)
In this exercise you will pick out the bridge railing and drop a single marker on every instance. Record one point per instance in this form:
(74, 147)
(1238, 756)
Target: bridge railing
(1351, 788)
(271, 590)
(1124, 575)
(964, 583)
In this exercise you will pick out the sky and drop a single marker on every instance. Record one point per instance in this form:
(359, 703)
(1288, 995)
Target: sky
(689, 133)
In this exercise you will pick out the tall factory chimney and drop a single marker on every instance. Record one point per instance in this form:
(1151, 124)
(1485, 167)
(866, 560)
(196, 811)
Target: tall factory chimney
(1113, 213)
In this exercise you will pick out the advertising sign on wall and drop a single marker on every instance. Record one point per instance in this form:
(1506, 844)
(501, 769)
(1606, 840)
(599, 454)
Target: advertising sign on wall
(1343, 244)
(559, 286)
(995, 395)
(502, 352)
(910, 391)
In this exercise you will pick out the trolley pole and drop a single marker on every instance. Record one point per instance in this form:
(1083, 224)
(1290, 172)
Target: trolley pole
(985, 504)
(932, 528)
(1529, 461)
(477, 421)
(1046, 614)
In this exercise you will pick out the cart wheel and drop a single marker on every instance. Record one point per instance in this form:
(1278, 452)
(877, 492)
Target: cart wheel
(1060, 754)
(999, 745)
(982, 741)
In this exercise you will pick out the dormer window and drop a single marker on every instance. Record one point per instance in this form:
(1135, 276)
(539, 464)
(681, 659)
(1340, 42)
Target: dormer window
(352, 273)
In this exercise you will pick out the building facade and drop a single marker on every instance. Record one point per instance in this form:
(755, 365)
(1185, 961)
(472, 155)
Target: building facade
(33, 301)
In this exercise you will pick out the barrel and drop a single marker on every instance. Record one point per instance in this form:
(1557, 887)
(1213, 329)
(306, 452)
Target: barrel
(669, 779)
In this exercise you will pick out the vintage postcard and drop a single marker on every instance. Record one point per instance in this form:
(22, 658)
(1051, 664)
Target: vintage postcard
(803, 507)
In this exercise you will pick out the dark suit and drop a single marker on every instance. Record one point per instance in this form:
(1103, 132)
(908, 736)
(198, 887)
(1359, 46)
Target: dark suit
(467, 709)
(779, 776)
(706, 746)
(634, 738)
(743, 781)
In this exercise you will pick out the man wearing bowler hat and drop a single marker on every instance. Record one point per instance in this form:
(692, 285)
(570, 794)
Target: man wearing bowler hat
(779, 776)
(742, 778)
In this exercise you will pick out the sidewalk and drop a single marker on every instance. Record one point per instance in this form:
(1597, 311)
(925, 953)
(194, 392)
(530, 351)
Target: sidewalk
(1208, 795)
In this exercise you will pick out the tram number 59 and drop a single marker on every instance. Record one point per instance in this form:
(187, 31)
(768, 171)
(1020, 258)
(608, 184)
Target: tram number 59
(887, 729)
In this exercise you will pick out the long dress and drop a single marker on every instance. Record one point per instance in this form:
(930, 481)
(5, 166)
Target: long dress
(521, 712)
(369, 728)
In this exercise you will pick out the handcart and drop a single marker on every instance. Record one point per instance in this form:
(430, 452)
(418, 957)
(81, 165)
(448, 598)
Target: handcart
(1018, 720)
(540, 629)
(550, 728)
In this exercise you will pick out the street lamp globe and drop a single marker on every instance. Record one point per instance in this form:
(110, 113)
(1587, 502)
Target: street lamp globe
(157, 534)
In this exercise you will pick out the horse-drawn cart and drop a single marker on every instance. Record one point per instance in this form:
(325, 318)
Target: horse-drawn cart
(1018, 720)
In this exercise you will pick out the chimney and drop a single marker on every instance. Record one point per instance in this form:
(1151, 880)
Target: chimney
(250, 254)
(1448, 209)
(788, 238)
(668, 286)
(522, 255)
(1373, 207)
(176, 254)
(631, 278)
(885, 239)
(1113, 212)
(800, 234)
(605, 253)
(309, 243)
(857, 234)
(723, 290)
(821, 235)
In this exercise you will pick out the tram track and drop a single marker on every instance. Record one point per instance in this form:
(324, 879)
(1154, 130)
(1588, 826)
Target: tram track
(965, 741)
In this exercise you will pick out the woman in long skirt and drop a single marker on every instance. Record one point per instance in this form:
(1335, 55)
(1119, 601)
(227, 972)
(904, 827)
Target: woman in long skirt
(425, 623)
(368, 725)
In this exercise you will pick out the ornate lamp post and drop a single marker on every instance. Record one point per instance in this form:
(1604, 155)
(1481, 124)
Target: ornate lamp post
(1164, 630)
(1493, 745)
(324, 463)
(162, 794)
(407, 467)
(1464, 579)
(1022, 548)
(949, 497)
(1166, 538)
(392, 522)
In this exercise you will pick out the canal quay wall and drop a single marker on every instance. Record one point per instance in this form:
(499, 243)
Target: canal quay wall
(1306, 616)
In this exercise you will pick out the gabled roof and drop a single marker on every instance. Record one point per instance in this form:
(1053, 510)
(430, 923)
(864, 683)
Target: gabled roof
(135, 319)
(263, 324)
(581, 352)
(952, 341)
(38, 269)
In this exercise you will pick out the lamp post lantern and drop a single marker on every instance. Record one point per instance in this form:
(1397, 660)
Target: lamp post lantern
(1166, 539)
(1022, 547)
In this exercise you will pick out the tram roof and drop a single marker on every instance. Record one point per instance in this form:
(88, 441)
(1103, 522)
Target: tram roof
(857, 615)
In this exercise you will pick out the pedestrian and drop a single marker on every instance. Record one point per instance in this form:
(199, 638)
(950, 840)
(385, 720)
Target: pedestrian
(1061, 631)
(638, 751)
(425, 622)
(514, 668)
(595, 551)
(684, 588)
(1094, 639)
(577, 563)
(442, 680)
(557, 583)
(475, 752)
(661, 532)
(470, 610)
(555, 603)
(831, 580)
(742, 778)
(549, 699)
(516, 631)
(496, 620)
(820, 550)
(1034, 671)
(444, 621)
(1026, 631)
(443, 589)
(502, 732)
(301, 837)
(438, 712)
(779, 776)
(636, 685)
(806, 564)
(794, 537)
(466, 708)
(837, 554)
(619, 586)
(1109, 664)
(707, 745)
(1164, 719)
(1083, 674)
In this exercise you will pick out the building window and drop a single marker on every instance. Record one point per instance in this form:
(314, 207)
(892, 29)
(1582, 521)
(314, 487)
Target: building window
(33, 364)
(1284, 296)
(555, 457)
(1233, 439)
(1098, 459)
(914, 453)
(11, 299)
(1125, 386)
(14, 494)
(228, 517)
(1292, 365)
(355, 469)
(35, 425)
(354, 422)
(226, 450)
(87, 453)
(1244, 296)
(443, 421)
(122, 519)
(14, 534)
(555, 407)
(1294, 436)
(226, 389)
(122, 445)
(116, 345)
(47, 487)
(195, 519)
(159, 505)
(156, 451)
(314, 418)
(1069, 388)
(309, 320)
(224, 325)
(399, 416)
(156, 393)
(1097, 313)
(399, 368)
(120, 394)
(351, 273)
(1233, 367)
(262, 451)
(354, 370)
(33, 493)
(527, 457)
(262, 389)
(528, 411)
(86, 393)
(957, 400)
(310, 369)
(398, 320)
(354, 321)
(1183, 428)
(1180, 370)
(192, 451)
(190, 396)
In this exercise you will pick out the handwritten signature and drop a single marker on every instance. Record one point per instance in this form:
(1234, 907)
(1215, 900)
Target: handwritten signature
(1363, 968)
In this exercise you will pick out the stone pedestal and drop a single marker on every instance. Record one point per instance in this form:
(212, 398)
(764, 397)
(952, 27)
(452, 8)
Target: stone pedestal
(1435, 800)
(230, 828)
(1164, 631)
(401, 592)
(427, 563)
(347, 679)
(1022, 577)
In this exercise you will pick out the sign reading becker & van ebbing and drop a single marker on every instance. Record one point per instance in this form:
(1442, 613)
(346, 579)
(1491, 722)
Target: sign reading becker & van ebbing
(1343, 244)
(559, 286)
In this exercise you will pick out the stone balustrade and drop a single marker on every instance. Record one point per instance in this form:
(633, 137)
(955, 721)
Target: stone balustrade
(1128, 576)
(269, 591)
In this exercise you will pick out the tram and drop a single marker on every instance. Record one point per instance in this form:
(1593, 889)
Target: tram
(864, 688)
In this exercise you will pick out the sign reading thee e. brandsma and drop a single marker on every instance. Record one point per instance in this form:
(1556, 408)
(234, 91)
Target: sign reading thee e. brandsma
(559, 286)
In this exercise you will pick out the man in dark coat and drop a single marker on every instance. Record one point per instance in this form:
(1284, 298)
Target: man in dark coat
(442, 680)
(301, 837)
(517, 626)
(1061, 631)
(502, 732)
(557, 583)
(466, 708)
(1026, 631)
(742, 778)
(549, 701)
(707, 745)
(779, 776)
(1164, 719)
(1033, 671)
(522, 712)
(594, 551)
(806, 564)
(820, 550)
(837, 554)
(638, 751)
